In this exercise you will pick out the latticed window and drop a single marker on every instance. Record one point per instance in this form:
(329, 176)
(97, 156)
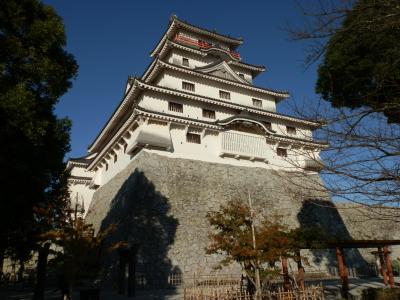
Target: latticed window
(281, 152)
(257, 103)
(185, 62)
(193, 138)
(210, 114)
(268, 125)
(188, 86)
(176, 107)
(290, 130)
(225, 95)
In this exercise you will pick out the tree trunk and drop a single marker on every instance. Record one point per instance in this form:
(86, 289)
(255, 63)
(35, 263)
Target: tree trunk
(41, 272)
(258, 283)
(285, 272)
(21, 271)
(300, 270)
(1, 265)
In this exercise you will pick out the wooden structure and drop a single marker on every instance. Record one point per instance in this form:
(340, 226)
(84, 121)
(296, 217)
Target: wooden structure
(231, 293)
(384, 257)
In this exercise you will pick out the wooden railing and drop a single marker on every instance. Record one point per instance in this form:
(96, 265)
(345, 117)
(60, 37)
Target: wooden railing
(243, 145)
(202, 44)
(229, 293)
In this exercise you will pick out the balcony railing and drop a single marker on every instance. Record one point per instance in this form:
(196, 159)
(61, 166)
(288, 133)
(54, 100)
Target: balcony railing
(243, 145)
(202, 44)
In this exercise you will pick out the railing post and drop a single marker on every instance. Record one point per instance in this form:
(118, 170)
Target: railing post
(383, 265)
(388, 262)
(342, 271)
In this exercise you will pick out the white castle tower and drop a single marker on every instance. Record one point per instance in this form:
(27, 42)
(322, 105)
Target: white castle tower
(197, 101)
(189, 134)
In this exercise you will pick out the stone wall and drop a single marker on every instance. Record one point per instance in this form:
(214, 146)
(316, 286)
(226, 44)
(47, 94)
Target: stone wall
(159, 204)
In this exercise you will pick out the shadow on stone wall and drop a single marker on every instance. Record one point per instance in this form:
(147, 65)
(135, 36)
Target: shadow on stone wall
(143, 221)
(324, 214)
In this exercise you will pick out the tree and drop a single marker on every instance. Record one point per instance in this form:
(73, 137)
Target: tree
(78, 249)
(361, 64)
(354, 43)
(256, 242)
(35, 71)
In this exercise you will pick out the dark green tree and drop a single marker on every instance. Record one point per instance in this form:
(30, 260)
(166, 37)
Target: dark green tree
(361, 64)
(355, 44)
(35, 71)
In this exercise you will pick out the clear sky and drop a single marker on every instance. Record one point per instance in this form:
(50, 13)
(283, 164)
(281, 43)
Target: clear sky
(112, 40)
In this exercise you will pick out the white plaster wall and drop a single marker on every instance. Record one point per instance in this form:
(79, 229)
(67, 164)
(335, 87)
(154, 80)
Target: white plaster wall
(209, 150)
(195, 60)
(302, 132)
(211, 88)
(191, 108)
(82, 193)
(247, 73)
(81, 171)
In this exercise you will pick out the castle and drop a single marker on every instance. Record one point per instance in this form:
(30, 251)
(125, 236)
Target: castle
(189, 134)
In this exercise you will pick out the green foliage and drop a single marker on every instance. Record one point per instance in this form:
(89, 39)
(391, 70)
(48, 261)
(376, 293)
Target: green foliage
(361, 66)
(35, 71)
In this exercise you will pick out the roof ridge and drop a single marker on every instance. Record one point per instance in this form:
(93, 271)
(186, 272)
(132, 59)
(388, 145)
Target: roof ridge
(175, 17)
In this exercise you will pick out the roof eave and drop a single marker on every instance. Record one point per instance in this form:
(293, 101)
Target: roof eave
(174, 22)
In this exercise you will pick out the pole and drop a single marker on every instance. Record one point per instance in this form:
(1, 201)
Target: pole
(285, 271)
(389, 268)
(256, 266)
(300, 270)
(383, 266)
(342, 271)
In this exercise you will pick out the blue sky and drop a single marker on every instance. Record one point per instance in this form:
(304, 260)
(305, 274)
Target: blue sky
(112, 40)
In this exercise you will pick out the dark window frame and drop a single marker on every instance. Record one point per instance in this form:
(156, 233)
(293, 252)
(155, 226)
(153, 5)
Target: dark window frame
(281, 152)
(193, 138)
(291, 130)
(188, 86)
(175, 107)
(208, 113)
(258, 101)
(224, 95)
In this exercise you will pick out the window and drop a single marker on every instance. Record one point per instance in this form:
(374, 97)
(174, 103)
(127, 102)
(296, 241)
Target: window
(257, 103)
(176, 107)
(188, 86)
(268, 125)
(193, 138)
(225, 95)
(281, 152)
(106, 167)
(210, 114)
(241, 75)
(125, 146)
(115, 158)
(290, 130)
(185, 62)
